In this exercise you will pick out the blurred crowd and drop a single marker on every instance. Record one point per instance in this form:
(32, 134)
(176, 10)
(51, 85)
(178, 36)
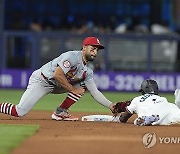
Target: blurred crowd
(82, 25)
(142, 16)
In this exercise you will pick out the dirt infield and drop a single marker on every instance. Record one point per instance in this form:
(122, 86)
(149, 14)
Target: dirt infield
(91, 137)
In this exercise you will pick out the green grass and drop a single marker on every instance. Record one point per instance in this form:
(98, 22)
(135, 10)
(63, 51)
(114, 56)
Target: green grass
(85, 104)
(11, 136)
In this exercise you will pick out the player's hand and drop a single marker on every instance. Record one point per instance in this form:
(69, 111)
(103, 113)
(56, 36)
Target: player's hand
(79, 90)
(111, 107)
(121, 106)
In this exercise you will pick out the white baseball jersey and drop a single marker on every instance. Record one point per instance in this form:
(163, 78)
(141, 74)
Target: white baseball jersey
(150, 104)
(42, 82)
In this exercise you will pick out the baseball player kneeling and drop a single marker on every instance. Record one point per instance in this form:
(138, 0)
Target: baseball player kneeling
(70, 73)
(151, 108)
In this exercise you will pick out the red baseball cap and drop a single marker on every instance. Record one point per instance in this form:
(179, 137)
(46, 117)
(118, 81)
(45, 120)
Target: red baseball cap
(92, 41)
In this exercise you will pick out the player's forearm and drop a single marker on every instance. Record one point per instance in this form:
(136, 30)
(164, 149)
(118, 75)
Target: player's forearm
(97, 95)
(64, 83)
(125, 116)
(61, 79)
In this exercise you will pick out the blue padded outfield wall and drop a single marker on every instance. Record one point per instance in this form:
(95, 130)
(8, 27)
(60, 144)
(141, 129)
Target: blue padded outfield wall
(107, 81)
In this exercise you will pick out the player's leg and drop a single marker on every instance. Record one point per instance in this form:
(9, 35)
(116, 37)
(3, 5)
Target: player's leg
(61, 112)
(8, 108)
(174, 116)
(33, 93)
(177, 97)
(177, 118)
(30, 97)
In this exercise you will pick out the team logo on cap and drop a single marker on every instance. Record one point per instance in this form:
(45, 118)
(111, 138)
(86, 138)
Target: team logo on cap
(66, 64)
(98, 41)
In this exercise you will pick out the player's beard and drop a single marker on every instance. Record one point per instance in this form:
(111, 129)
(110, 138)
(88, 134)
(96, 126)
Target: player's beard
(90, 57)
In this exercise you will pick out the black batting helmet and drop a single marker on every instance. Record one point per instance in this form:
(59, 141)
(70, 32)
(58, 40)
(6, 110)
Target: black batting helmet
(149, 87)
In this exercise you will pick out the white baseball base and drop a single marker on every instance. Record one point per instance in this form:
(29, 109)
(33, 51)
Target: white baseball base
(101, 118)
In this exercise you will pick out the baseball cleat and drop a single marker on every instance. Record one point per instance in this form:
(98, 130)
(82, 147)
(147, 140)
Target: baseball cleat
(62, 115)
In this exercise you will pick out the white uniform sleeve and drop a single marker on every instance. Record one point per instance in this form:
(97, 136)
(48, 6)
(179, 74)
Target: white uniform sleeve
(96, 94)
(132, 107)
(68, 60)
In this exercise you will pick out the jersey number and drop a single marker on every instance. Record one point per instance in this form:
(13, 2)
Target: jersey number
(145, 97)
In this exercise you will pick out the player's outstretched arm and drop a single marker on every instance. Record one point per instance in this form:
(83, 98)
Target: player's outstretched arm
(98, 96)
(125, 116)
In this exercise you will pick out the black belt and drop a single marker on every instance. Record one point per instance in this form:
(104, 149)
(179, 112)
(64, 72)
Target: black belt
(45, 78)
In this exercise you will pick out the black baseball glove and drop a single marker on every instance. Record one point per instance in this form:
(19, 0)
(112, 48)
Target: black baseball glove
(121, 106)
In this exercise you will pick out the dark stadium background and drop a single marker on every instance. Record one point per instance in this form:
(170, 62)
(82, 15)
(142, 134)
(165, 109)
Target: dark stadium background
(140, 36)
